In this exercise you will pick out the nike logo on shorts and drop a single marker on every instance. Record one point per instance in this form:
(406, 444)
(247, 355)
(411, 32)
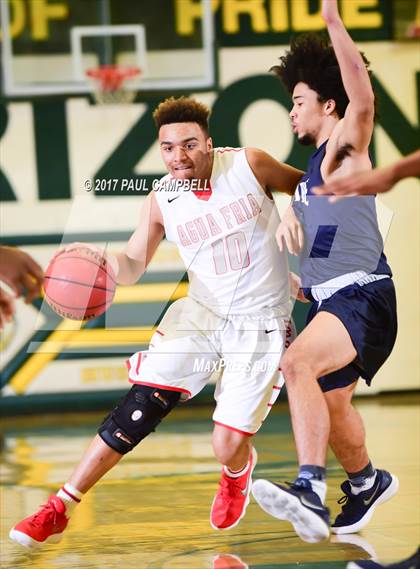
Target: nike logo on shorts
(269, 331)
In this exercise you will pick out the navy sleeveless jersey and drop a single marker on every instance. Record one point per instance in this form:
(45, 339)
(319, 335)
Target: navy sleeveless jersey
(340, 238)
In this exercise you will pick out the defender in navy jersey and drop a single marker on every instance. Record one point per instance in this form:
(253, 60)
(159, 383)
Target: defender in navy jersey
(352, 324)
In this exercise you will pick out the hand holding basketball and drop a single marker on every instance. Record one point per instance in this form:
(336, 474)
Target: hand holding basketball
(80, 282)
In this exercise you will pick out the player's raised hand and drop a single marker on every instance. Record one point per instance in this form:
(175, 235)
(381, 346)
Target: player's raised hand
(330, 11)
(290, 233)
(21, 273)
(7, 308)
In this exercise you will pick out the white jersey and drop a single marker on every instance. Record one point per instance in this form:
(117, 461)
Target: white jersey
(226, 238)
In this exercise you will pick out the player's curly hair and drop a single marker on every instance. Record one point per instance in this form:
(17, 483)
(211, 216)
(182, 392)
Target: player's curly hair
(183, 109)
(311, 60)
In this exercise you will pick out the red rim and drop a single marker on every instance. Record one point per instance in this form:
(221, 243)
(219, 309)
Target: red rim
(111, 77)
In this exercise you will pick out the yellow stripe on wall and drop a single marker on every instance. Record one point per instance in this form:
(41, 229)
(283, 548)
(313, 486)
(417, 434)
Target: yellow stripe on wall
(30, 369)
(151, 292)
(97, 338)
(69, 333)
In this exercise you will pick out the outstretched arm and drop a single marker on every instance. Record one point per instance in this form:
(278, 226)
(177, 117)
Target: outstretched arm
(374, 181)
(358, 120)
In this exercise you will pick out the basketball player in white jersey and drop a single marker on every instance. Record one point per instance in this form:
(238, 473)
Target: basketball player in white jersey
(235, 318)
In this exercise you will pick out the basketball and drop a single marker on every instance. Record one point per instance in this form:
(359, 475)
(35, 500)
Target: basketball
(79, 284)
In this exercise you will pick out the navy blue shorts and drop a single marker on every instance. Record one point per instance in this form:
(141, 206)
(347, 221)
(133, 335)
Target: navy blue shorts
(369, 314)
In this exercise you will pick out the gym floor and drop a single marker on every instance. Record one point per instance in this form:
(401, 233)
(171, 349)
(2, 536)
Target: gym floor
(152, 510)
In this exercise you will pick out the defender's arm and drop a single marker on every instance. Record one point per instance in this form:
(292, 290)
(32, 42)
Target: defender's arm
(357, 126)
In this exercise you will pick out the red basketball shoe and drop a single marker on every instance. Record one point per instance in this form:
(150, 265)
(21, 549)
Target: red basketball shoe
(232, 498)
(45, 526)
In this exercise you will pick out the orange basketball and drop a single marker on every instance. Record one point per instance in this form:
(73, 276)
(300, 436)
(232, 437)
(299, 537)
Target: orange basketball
(79, 283)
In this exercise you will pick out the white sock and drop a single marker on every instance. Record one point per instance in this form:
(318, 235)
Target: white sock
(367, 485)
(231, 474)
(70, 496)
(319, 487)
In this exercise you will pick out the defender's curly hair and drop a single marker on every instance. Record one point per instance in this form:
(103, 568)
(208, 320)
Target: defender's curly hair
(311, 60)
(183, 109)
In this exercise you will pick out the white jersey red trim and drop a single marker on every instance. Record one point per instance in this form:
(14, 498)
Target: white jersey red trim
(227, 239)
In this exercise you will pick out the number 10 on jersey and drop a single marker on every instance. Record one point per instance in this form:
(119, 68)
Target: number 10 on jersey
(230, 253)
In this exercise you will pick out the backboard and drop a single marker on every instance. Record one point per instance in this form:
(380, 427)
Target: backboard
(48, 47)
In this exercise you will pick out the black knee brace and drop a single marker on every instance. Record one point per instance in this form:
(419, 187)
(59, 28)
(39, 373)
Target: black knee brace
(136, 416)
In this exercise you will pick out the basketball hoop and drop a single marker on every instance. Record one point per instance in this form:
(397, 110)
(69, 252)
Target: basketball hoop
(111, 82)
